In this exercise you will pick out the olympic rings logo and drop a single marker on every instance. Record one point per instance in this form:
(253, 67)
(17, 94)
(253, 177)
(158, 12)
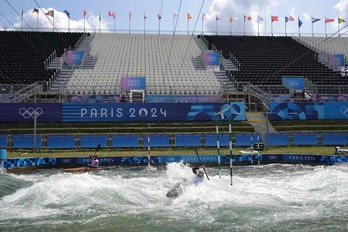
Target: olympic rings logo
(30, 112)
(344, 111)
(292, 83)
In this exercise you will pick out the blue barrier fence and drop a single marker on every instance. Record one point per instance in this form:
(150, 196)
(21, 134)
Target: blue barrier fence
(171, 140)
(247, 159)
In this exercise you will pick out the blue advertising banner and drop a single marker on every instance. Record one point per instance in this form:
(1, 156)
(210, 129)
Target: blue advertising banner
(211, 58)
(84, 112)
(133, 83)
(75, 56)
(336, 60)
(25, 112)
(182, 98)
(293, 82)
(308, 111)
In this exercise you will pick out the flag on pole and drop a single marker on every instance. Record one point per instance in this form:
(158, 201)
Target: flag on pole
(287, 19)
(290, 18)
(188, 21)
(50, 13)
(145, 16)
(231, 20)
(112, 14)
(259, 19)
(159, 16)
(247, 18)
(274, 19)
(329, 20)
(35, 11)
(216, 20)
(84, 20)
(314, 20)
(341, 20)
(67, 13)
(130, 15)
(299, 23)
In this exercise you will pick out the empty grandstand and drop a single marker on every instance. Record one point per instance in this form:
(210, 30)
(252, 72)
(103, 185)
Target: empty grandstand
(24, 55)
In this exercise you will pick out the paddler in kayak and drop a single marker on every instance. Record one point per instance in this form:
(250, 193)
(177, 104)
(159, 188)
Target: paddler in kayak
(198, 175)
(94, 161)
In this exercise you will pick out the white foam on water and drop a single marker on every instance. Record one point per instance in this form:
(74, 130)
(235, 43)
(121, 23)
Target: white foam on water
(280, 193)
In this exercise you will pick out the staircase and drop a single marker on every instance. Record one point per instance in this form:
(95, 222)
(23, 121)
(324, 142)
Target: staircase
(224, 81)
(198, 63)
(229, 65)
(201, 44)
(260, 123)
(64, 73)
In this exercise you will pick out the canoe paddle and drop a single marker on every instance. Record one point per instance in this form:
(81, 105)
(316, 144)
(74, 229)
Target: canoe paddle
(202, 165)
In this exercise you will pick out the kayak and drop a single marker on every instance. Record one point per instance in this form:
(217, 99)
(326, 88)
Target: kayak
(82, 169)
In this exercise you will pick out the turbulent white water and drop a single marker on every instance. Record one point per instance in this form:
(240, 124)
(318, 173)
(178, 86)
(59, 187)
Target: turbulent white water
(262, 198)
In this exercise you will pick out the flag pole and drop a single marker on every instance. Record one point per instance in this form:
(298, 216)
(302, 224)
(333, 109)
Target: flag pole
(285, 26)
(271, 27)
(37, 22)
(53, 22)
(202, 23)
(216, 24)
(258, 25)
(22, 21)
(244, 23)
(188, 26)
(68, 24)
(299, 28)
(338, 26)
(84, 22)
(265, 23)
(159, 23)
(312, 29)
(144, 22)
(99, 21)
(230, 26)
(325, 27)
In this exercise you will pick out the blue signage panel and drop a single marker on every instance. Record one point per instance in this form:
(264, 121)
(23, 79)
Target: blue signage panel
(182, 98)
(75, 56)
(133, 83)
(308, 111)
(25, 112)
(211, 58)
(336, 60)
(85, 112)
(296, 83)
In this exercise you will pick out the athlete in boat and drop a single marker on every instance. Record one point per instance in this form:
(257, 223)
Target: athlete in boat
(198, 175)
(95, 161)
